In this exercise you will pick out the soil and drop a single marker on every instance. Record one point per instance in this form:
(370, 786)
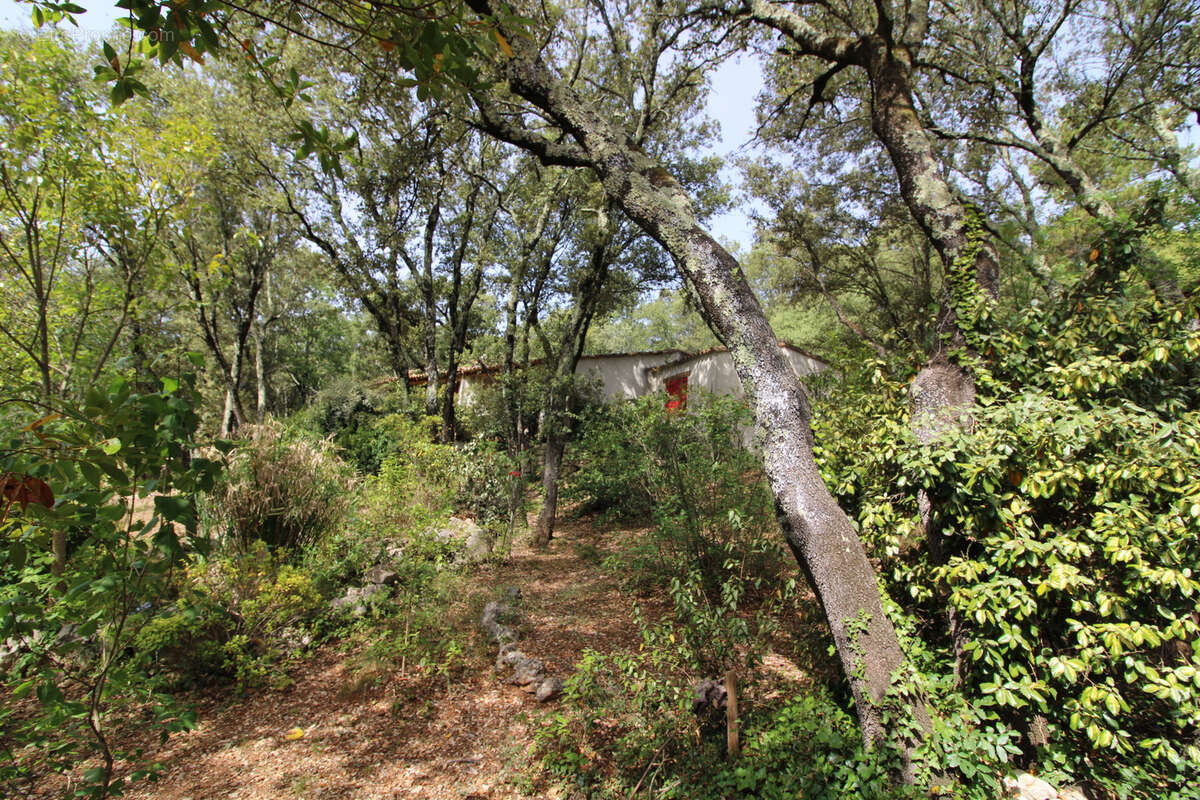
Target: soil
(371, 732)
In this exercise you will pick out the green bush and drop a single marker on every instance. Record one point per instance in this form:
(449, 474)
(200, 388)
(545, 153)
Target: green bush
(76, 622)
(280, 488)
(706, 494)
(627, 726)
(605, 478)
(1062, 589)
(231, 618)
(415, 492)
(353, 416)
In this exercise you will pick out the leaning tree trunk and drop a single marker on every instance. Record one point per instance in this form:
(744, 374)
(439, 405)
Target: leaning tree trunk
(815, 528)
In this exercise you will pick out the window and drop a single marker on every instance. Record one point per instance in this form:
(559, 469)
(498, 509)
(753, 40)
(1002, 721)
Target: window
(676, 392)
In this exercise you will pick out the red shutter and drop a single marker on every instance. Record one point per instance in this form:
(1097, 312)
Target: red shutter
(676, 392)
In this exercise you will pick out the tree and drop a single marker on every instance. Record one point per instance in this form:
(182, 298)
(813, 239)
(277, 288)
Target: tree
(815, 527)
(549, 117)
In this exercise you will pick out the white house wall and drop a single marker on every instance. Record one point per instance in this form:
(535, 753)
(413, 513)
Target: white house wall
(714, 372)
(627, 377)
(622, 377)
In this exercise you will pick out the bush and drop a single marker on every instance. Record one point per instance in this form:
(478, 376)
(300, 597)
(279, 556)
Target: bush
(75, 621)
(233, 618)
(706, 492)
(415, 492)
(352, 415)
(1062, 591)
(280, 488)
(627, 726)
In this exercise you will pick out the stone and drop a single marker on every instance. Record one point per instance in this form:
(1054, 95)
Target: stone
(709, 695)
(498, 632)
(357, 600)
(508, 657)
(381, 575)
(1072, 793)
(548, 690)
(478, 546)
(528, 670)
(294, 640)
(469, 542)
(1027, 787)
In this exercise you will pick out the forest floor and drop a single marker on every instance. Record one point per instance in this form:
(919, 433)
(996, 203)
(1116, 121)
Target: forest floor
(370, 732)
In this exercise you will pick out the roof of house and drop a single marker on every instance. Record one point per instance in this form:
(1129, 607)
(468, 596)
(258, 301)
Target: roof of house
(720, 349)
(417, 378)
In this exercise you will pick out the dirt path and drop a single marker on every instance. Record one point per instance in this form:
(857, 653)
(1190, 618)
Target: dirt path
(381, 742)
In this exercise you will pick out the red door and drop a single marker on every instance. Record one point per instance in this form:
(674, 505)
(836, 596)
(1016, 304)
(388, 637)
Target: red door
(676, 392)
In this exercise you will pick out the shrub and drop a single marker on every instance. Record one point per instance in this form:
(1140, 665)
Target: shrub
(1062, 590)
(232, 618)
(352, 415)
(280, 488)
(627, 726)
(76, 621)
(706, 492)
(605, 478)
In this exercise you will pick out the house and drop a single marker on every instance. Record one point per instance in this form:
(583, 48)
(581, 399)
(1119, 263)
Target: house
(626, 376)
(712, 370)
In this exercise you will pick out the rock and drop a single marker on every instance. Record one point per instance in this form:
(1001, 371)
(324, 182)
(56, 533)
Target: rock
(1027, 787)
(293, 640)
(493, 612)
(509, 656)
(10, 650)
(1072, 793)
(478, 546)
(469, 542)
(528, 671)
(381, 575)
(710, 695)
(548, 690)
(356, 601)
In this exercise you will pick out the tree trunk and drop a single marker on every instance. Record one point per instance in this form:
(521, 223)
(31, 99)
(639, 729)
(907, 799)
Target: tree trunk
(555, 444)
(557, 421)
(233, 415)
(431, 372)
(449, 418)
(943, 392)
(815, 528)
(260, 379)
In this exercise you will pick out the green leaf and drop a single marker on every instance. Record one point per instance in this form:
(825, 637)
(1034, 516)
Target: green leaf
(16, 555)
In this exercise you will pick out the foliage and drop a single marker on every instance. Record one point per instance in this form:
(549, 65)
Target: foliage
(627, 722)
(233, 617)
(356, 417)
(627, 725)
(280, 488)
(75, 620)
(1067, 518)
(704, 490)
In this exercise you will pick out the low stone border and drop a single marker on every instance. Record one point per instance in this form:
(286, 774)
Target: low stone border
(528, 672)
